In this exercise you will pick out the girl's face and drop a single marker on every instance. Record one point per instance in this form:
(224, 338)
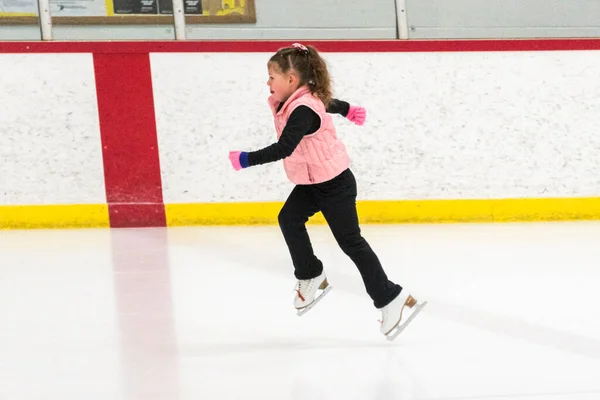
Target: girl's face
(282, 85)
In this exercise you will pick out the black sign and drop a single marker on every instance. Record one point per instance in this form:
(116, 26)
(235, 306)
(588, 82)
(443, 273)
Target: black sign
(191, 7)
(146, 7)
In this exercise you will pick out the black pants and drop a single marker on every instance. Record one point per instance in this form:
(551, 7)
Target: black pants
(336, 199)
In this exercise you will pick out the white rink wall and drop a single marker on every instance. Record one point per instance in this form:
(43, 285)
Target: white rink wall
(440, 125)
(50, 143)
(455, 125)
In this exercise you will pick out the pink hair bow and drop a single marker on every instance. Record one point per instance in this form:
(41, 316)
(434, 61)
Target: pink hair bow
(301, 47)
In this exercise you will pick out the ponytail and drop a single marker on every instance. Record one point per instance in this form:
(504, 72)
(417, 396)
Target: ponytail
(321, 81)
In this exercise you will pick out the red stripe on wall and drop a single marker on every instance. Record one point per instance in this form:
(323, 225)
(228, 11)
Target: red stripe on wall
(129, 140)
(413, 45)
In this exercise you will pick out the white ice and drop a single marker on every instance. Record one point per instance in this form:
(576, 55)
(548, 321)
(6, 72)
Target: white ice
(206, 313)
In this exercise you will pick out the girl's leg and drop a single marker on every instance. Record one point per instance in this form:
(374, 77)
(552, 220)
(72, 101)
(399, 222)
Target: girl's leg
(337, 200)
(298, 208)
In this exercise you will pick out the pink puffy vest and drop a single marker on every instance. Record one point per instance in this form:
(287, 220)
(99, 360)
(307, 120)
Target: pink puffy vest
(320, 156)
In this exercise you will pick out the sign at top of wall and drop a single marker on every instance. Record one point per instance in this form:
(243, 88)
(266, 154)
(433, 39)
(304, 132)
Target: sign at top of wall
(129, 11)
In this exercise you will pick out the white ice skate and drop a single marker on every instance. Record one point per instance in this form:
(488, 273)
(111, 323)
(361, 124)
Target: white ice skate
(306, 290)
(399, 313)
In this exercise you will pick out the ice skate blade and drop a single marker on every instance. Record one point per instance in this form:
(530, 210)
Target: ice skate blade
(394, 334)
(304, 310)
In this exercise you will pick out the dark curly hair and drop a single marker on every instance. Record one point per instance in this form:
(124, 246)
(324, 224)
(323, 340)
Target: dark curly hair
(311, 67)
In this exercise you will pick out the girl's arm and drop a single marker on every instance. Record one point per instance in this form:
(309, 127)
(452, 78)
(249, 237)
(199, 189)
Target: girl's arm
(302, 121)
(353, 113)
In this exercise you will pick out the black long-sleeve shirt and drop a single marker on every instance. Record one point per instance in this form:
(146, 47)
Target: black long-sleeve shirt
(302, 121)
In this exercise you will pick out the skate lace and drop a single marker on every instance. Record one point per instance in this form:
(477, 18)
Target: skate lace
(303, 286)
(384, 313)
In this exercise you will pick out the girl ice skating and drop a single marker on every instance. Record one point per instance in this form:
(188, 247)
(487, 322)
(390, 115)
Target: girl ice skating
(316, 161)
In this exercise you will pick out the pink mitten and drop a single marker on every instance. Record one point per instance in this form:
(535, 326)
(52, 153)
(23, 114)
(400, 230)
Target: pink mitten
(234, 157)
(357, 115)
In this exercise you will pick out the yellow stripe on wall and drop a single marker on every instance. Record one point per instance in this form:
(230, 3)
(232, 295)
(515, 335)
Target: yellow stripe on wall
(561, 209)
(54, 216)
(402, 211)
(265, 213)
(370, 212)
(222, 213)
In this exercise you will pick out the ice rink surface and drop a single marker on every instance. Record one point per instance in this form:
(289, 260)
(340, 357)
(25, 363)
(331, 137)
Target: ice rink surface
(206, 313)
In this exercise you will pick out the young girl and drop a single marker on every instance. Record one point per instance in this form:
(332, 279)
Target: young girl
(317, 162)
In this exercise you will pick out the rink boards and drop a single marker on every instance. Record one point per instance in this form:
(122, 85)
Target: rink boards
(137, 134)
